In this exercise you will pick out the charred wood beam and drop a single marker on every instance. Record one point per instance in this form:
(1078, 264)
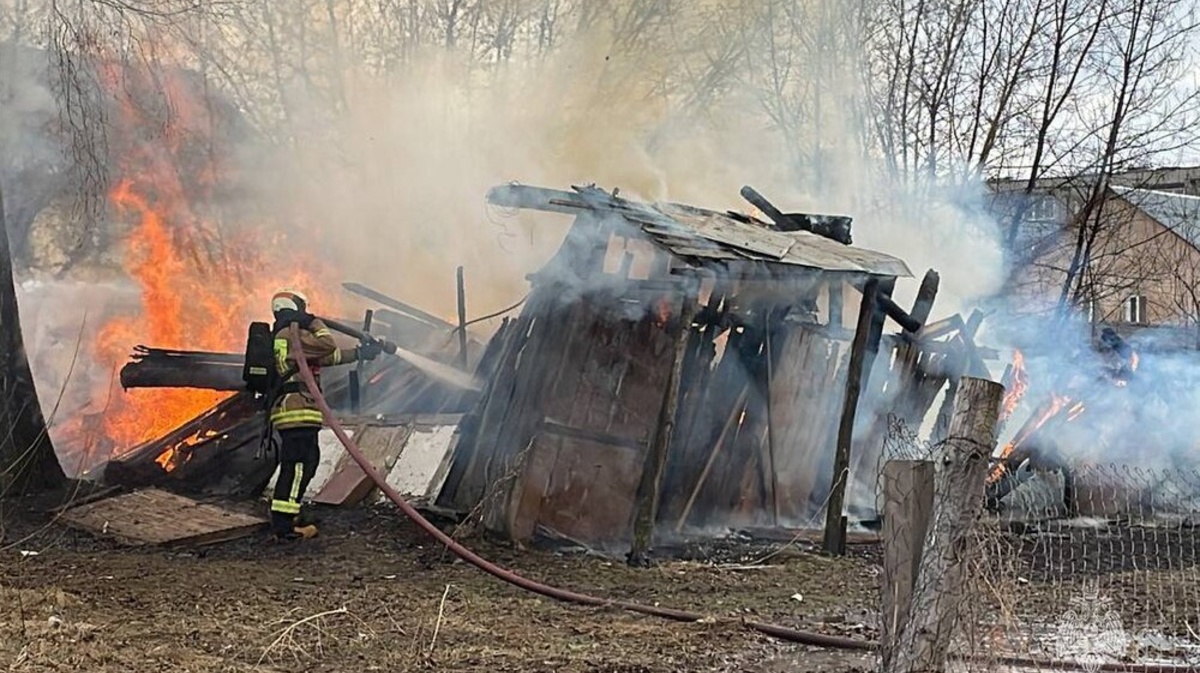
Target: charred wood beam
(835, 533)
(395, 304)
(893, 311)
(158, 368)
(922, 307)
(536, 198)
(834, 227)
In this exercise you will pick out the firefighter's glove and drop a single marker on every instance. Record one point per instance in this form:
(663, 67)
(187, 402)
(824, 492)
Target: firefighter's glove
(369, 350)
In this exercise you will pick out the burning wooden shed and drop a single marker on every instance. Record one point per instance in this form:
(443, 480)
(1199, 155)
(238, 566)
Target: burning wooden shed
(674, 368)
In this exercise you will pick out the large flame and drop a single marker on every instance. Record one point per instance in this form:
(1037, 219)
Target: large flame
(199, 289)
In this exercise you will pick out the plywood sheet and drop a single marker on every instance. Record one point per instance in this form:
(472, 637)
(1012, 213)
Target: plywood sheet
(414, 473)
(154, 517)
(349, 485)
(581, 489)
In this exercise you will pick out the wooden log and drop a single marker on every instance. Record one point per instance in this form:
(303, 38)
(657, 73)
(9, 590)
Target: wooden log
(907, 508)
(650, 489)
(924, 638)
(159, 369)
(834, 533)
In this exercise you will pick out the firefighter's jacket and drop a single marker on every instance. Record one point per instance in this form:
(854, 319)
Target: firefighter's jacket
(294, 407)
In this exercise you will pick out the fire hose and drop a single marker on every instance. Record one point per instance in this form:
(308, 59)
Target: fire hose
(568, 596)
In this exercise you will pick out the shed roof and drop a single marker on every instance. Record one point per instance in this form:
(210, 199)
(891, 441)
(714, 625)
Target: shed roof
(707, 236)
(1178, 212)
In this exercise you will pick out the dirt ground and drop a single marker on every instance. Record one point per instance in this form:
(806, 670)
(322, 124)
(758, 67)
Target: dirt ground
(372, 593)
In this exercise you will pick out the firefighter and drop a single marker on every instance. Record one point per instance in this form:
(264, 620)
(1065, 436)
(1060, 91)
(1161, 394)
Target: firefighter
(294, 413)
(1118, 356)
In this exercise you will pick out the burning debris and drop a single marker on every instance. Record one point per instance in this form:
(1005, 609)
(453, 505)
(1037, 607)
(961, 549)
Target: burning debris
(200, 281)
(1038, 445)
(217, 451)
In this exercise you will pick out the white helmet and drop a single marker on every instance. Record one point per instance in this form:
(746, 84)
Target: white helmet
(288, 300)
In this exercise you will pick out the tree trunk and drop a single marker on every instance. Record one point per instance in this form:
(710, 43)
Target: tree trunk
(27, 459)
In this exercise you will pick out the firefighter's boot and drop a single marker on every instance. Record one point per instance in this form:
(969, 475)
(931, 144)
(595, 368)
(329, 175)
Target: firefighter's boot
(282, 528)
(307, 532)
(305, 517)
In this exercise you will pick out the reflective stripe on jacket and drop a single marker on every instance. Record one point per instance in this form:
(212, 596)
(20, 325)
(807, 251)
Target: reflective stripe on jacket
(297, 408)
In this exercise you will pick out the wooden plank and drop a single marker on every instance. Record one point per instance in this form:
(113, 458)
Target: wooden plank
(837, 301)
(155, 517)
(533, 485)
(761, 241)
(721, 439)
(542, 365)
(907, 510)
(924, 638)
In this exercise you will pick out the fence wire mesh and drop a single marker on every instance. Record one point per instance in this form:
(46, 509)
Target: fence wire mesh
(1092, 565)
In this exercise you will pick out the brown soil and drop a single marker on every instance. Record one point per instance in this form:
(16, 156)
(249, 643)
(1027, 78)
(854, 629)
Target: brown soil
(372, 593)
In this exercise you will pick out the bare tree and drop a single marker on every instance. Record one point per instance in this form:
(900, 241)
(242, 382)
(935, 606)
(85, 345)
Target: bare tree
(1145, 115)
(27, 459)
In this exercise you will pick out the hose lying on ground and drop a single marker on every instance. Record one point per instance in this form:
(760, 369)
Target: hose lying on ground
(774, 630)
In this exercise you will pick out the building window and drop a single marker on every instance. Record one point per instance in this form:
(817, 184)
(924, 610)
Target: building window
(1043, 209)
(1135, 310)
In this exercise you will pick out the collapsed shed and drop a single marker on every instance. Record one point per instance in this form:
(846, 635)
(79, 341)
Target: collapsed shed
(674, 367)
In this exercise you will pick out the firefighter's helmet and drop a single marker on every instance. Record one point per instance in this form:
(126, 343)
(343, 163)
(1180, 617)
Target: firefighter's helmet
(289, 300)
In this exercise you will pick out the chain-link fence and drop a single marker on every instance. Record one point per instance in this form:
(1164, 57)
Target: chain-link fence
(1093, 564)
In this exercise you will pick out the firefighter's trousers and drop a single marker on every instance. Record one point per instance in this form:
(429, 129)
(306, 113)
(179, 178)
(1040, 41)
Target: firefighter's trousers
(299, 455)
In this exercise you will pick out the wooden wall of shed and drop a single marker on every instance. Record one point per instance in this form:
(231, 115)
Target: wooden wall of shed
(586, 455)
(560, 436)
(756, 434)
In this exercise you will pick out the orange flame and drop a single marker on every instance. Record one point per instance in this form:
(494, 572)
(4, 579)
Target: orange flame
(662, 311)
(199, 291)
(1016, 391)
(1040, 418)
